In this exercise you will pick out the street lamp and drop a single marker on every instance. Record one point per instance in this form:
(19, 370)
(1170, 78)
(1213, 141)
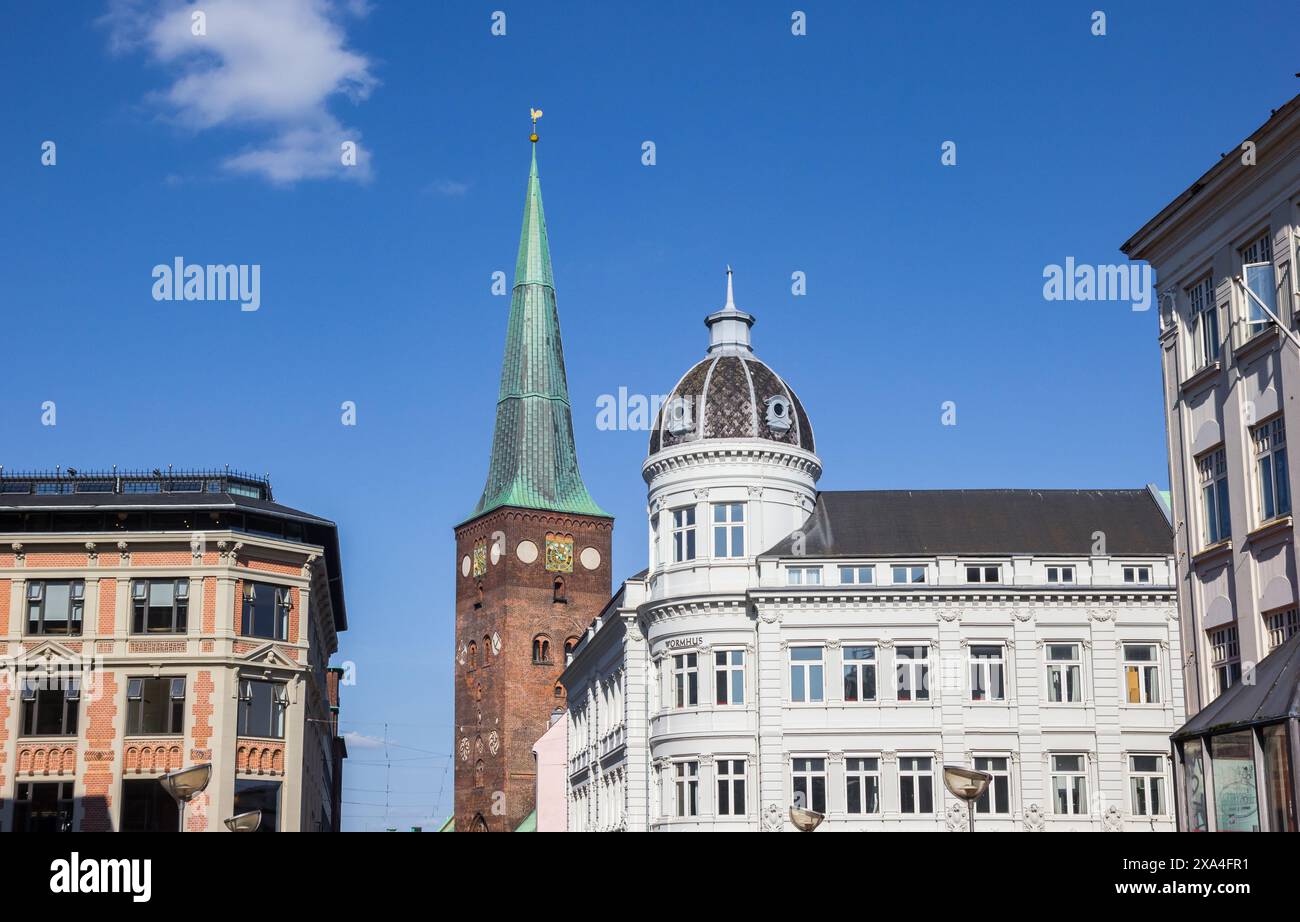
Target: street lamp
(968, 785)
(245, 822)
(806, 820)
(183, 784)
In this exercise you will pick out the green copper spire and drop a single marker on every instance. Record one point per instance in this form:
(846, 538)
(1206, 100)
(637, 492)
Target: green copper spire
(534, 461)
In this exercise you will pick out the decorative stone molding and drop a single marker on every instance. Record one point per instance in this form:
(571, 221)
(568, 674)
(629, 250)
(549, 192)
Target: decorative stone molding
(1023, 615)
(706, 759)
(770, 615)
(1034, 820)
(701, 492)
(92, 555)
(949, 614)
(833, 644)
(1101, 614)
(153, 757)
(47, 759)
(889, 755)
(835, 756)
(754, 491)
(886, 643)
(956, 818)
(773, 819)
(259, 757)
(1113, 820)
(20, 556)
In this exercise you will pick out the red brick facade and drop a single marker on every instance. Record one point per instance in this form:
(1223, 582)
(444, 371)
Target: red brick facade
(504, 698)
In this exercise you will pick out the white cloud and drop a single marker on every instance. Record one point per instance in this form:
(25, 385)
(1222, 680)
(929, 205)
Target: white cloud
(361, 741)
(267, 67)
(447, 188)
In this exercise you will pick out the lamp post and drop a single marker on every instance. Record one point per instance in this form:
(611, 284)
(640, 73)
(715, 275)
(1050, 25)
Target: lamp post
(245, 822)
(183, 784)
(968, 785)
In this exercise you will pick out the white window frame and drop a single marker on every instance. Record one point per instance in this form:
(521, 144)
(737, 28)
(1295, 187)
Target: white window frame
(983, 573)
(985, 668)
(856, 574)
(805, 668)
(862, 774)
(1207, 338)
(1281, 626)
(1142, 666)
(809, 774)
(1144, 780)
(730, 528)
(860, 668)
(726, 776)
(1080, 805)
(1258, 255)
(686, 788)
(685, 539)
(916, 775)
(1060, 574)
(1225, 657)
(909, 572)
(803, 576)
(1049, 665)
(724, 672)
(1215, 498)
(918, 668)
(682, 672)
(1272, 487)
(991, 793)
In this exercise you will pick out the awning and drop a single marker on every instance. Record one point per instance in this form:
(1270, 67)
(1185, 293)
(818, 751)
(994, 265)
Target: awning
(1274, 695)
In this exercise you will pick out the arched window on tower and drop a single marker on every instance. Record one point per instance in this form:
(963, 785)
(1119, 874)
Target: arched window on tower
(541, 650)
(478, 774)
(559, 595)
(569, 646)
(559, 690)
(473, 655)
(487, 649)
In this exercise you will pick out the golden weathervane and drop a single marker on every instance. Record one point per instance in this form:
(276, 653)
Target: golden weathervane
(536, 114)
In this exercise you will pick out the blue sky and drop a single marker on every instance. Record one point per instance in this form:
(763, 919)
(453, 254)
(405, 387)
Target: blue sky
(775, 153)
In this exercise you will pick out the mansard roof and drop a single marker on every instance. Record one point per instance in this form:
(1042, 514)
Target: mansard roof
(904, 523)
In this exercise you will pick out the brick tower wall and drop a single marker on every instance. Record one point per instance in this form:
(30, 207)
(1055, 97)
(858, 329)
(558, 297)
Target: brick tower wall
(503, 698)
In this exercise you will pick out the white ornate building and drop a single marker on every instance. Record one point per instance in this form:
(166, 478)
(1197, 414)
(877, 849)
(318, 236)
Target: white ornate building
(834, 650)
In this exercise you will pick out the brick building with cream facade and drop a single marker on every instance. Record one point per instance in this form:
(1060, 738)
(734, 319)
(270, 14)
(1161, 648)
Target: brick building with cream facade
(154, 622)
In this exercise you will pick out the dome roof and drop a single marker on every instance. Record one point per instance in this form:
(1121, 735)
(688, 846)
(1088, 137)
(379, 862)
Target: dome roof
(731, 394)
(731, 397)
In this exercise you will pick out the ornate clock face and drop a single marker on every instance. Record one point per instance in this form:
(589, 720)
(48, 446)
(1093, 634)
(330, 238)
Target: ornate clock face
(480, 558)
(559, 553)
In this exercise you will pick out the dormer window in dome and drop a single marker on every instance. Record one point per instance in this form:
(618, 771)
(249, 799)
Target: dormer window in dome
(678, 415)
(778, 412)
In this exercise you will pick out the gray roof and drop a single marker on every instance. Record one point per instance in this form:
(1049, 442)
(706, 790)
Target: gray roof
(140, 502)
(1274, 695)
(904, 523)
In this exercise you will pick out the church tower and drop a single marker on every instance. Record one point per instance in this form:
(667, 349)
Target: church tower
(533, 560)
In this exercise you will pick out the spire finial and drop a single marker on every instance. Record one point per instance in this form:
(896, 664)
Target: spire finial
(536, 114)
(731, 302)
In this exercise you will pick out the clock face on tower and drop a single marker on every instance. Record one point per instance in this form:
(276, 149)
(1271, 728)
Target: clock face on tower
(559, 553)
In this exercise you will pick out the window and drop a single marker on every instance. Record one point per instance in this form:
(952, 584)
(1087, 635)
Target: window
(1281, 626)
(261, 708)
(1216, 523)
(1257, 273)
(996, 799)
(908, 575)
(1205, 322)
(803, 576)
(912, 671)
(987, 672)
(729, 677)
(806, 674)
(808, 781)
(46, 806)
(1225, 658)
(266, 611)
(729, 530)
(915, 784)
(687, 784)
(1137, 574)
(155, 706)
(159, 606)
(1064, 673)
(55, 607)
(541, 650)
(50, 704)
(862, 785)
(857, 576)
(1270, 468)
(570, 645)
(1060, 575)
(259, 795)
(147, 807)
(683, 534)
(686, 681)
(859, 673)
(1142, 673)
(983, 574)
(731, 787)
(1147, 785)
(1069, 785)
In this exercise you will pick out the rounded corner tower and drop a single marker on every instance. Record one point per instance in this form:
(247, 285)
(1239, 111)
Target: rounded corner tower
(732, 467)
